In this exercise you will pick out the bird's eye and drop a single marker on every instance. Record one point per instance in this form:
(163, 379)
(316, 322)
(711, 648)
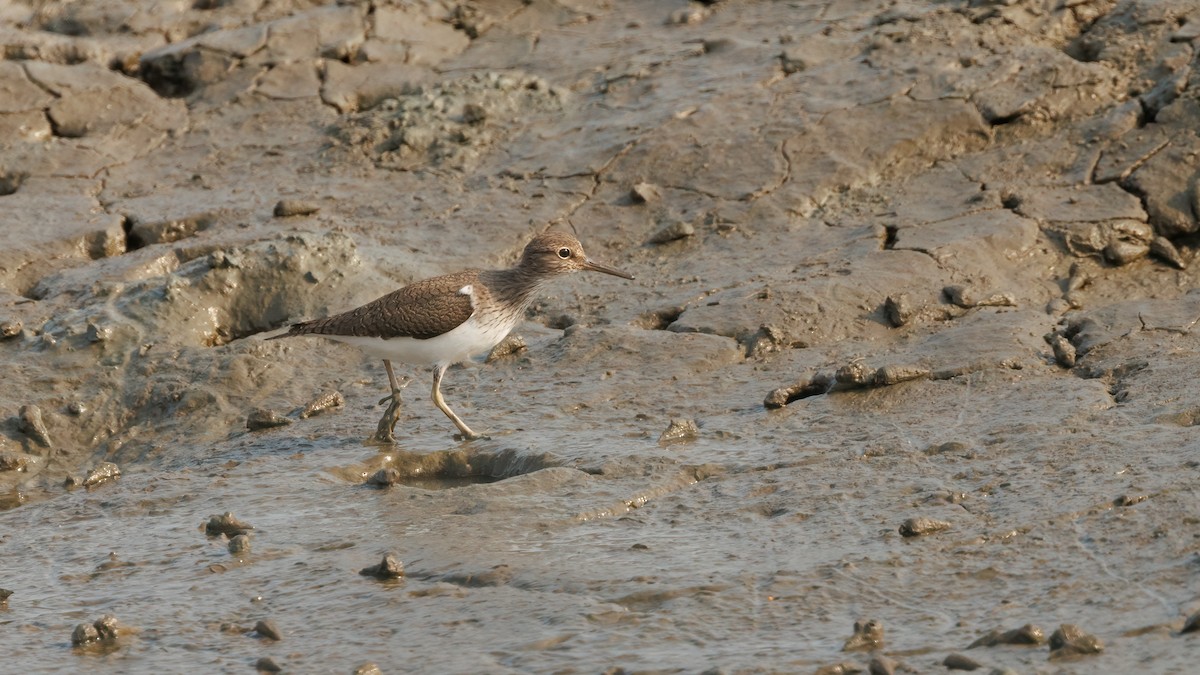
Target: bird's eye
(564, 253)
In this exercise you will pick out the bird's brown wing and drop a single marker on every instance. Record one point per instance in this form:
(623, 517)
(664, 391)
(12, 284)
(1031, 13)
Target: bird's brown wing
(421, 310)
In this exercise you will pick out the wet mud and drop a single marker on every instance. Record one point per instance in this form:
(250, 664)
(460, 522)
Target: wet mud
(912, 341)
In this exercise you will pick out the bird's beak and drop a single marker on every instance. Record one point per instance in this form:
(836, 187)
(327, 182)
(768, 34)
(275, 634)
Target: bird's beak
(589, 264)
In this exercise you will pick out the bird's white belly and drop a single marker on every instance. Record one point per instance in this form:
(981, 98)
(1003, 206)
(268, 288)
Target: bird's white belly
(459, 344)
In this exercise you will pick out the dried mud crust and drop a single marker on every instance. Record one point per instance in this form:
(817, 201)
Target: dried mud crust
(449, 125)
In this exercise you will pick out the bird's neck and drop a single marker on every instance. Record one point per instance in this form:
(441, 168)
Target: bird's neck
(515, 286)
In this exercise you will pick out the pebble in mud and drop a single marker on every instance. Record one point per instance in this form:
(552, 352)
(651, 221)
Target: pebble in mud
(286, 208)
(266, 628)
(672, 232)
(1192, 624)
(9, 329)
(105, 472)
(226, 524)
(261, 418)
(388, 568)
(1064, 351)
(1070, 640)
(679, 430)
(6, 593)
(267, 665)
(868, 635)
(240, 543)
(958, 661)
(645, 193)
(30, 423)
(331, 400)
(1029, 634)
(1129, 500)
(898, 309)
(916, 527)
(11, 461)
(368, 669)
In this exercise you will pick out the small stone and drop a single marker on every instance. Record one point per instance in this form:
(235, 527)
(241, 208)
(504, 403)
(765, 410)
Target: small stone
(105, 472)
(266, 628)
(512, 344)
(30, 422)
(766, 340)
(958, 295)
(1070, 640)
(9, 329)
(385, 477)
(261, 418)
(368, 669)
(1190, 626)
(226, 524)
(645, 193)
(1164, 250)
(916, 527)
(673, 232)
(958, 661)
(1129, 500)
(5, 594)
(83, 634)
(331, 400)
(882, 665)
(388, 568)
(267, 665)
(295, 207)
(868, 635)
(679, 430)
(690, 15)
(76, 408)
(898, 309)
(240, 543)
(1064, 351)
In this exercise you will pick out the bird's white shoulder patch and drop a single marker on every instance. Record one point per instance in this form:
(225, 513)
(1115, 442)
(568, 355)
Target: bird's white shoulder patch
(466, 290)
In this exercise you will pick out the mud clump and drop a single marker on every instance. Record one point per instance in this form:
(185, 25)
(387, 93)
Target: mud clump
(918, 527)
(868, 636)
(679, 430)
(1029, 634)
(261, 418)
(101, 474)
(388, 568)
(267, 629)
(239, 543)
(226, 524)
(106, 629)
(331, 400)
(958, 661)
(1071, 641)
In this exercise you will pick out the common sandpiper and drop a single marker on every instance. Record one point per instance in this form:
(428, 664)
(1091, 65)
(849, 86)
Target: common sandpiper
(450, 318)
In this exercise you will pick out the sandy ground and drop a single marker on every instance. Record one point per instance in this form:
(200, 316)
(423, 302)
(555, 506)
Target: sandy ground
(907, 378)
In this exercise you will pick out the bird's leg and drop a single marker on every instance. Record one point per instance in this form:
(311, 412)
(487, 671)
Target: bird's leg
(383, 433)
(467, 434)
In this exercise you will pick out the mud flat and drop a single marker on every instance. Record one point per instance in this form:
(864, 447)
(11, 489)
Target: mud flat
(906, 379)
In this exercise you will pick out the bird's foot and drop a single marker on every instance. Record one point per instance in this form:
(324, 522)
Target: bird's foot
(394, 397)
(471, 436)
(387, 423)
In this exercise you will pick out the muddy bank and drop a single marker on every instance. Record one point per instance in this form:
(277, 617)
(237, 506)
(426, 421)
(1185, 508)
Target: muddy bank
(907, 363)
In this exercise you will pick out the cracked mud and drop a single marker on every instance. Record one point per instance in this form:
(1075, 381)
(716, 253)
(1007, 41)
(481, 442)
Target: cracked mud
(915, 305)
